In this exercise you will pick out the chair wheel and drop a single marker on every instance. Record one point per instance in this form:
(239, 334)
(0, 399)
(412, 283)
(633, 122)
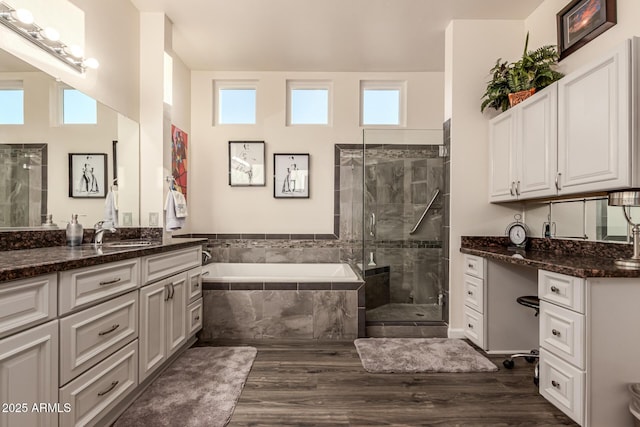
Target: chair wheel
(532, 359)
(508, 363)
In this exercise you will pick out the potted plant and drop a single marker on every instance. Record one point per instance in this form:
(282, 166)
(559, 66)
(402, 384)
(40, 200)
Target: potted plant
(513, 83)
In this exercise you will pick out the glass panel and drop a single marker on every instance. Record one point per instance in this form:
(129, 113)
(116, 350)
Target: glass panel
(381, 107)
(309, 106)
(78, 108)
(237, 106)
(11, 107)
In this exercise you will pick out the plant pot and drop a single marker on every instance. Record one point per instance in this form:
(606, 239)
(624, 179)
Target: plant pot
(518, 97)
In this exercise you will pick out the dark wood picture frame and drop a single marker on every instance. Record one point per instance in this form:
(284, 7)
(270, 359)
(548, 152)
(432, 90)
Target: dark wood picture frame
(88, 175)
(582, 21)
(247, 166)
(291, 175)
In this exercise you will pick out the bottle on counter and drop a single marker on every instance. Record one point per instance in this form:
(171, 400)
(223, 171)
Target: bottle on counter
(75, 233)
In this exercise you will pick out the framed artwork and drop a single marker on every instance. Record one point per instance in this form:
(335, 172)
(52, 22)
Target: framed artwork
(179, 163)
(291, 176)
(246, 164)
(87, 175)
(582, 21)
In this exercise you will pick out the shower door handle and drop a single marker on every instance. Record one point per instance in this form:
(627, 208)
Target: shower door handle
(372, 224)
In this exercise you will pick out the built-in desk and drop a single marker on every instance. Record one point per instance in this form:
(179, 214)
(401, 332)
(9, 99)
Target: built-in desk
(588, 323)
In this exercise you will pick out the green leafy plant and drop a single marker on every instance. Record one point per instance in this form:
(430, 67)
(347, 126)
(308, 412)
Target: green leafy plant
(535, 70)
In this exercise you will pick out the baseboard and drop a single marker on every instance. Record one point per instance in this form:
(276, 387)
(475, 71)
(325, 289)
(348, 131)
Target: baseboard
(456, 333)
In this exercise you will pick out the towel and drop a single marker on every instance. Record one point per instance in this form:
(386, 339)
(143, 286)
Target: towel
(111, 209)
(180, 203)
(172, 221)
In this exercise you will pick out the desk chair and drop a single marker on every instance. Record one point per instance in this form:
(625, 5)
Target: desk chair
(531, 302)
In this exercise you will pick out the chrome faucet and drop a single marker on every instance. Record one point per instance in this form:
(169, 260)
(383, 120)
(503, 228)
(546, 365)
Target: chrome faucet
(99, 231)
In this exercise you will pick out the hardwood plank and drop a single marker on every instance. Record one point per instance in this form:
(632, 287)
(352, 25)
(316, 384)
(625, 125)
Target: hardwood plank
(316, 383)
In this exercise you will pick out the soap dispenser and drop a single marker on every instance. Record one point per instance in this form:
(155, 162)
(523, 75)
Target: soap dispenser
(74, 232)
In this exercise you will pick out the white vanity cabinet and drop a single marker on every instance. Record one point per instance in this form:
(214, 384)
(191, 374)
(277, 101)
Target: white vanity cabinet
(522, 149)
(588, 349)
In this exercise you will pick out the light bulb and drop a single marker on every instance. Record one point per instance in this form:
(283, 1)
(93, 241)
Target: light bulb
(91, 63)
(51, 34)
(24, 16)
(75, 50)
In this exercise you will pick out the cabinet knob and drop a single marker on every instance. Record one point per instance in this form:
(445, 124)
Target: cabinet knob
(470, 265)
(555, 289)
(555, 332)
(555, 384)
(470, 326)
(469, 293)
(197, 318)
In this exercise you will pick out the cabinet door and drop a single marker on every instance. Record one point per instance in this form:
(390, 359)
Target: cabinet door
(153, 332)
(502, 157)
(177, 313)
(29, 376)
(594, 125)
(537, 144)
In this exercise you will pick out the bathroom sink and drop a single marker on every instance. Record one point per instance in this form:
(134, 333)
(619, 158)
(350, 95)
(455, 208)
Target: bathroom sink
(129, 244)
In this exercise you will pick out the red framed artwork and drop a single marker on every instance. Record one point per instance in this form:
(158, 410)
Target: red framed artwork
(179, 159)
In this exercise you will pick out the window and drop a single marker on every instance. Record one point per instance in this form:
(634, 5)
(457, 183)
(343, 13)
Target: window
(11, 103)
(78, 108)
(236, 103)
(308, 103)
(382, 103)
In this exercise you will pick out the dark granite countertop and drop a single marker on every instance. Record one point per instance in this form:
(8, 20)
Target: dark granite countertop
(23, 263)
(565, 258)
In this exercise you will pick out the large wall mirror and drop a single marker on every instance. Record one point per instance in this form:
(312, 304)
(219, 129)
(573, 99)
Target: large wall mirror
(35, 164)
(582, 218)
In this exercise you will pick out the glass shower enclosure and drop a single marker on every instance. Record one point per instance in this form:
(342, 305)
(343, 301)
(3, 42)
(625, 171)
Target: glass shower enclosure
(403, 226)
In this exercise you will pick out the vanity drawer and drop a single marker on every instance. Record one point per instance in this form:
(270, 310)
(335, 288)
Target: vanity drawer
(563, 385)
(474, 266)
(194, 284)
(159, 266)
(92, 334)
(28, 302)
(101, 388)
(562, 333)
(474, 326)
(85, 286)
(474, 293)
(565, 291)
(194, 314)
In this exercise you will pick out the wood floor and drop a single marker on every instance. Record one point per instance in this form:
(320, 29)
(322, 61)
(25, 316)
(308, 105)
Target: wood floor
(294, 383)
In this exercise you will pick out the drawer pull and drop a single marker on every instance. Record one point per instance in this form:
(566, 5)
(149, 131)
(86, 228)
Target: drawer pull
(555, 384)
(110, 282)
(555, 332)
(108, 331)
(555, 289)
(197, 285)
(205, 273)
(197, 318)
(111, 387)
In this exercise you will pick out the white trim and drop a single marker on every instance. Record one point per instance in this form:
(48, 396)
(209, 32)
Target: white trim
(456, 333)
(311, 85)
(219, 85)
(400, 86)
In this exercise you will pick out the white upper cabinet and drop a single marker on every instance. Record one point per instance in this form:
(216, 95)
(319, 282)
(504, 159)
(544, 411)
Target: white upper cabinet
(522, 149)
(594, 125)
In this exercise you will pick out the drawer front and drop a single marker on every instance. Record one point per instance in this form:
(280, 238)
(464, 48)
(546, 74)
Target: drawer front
(562, 332)
(100, 389)
(195, 283)
(194, 314)
(565, 291)
(563, 385)
(474, 326)
(474, 266)
(92, 334)
(474, 293)
(25, 303)
(155, 267)
(84, 286)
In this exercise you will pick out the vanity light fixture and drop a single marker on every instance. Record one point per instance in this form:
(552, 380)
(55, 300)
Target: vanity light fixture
(628, 198)
(21, 22)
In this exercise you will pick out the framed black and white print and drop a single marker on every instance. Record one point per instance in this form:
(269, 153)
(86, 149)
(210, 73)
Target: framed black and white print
(87, 175)
(291, 176)
(246, 164)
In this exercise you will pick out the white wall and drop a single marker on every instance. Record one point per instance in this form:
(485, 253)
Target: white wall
(466, 69)
(215, 207)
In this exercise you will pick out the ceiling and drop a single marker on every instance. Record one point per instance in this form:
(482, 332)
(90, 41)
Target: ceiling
(321, 35)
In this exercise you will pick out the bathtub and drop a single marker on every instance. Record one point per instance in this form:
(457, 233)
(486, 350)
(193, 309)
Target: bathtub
(262, 272)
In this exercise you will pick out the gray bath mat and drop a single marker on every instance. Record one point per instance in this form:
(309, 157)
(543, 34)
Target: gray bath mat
(200, 388)
(387, 355)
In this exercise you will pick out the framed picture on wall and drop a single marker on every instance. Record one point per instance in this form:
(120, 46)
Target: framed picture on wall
(87, 175)
(246, 164)
(582, 21)
(291, 176)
